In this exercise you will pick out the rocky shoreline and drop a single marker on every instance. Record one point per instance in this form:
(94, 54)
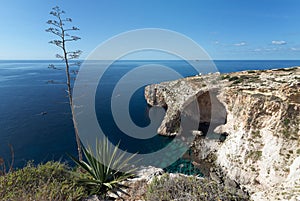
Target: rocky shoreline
(254, 119)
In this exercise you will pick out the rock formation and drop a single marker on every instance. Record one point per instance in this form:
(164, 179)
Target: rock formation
(259, 114)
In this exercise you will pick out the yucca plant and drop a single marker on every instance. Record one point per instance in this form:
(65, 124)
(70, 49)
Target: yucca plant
(104, 171)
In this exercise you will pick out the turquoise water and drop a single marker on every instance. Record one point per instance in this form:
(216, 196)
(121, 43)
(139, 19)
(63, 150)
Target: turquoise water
(35, 116)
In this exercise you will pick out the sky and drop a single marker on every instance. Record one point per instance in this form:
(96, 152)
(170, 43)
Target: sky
(225, 29)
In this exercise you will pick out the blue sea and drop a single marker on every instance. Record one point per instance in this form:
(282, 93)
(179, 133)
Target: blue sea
(35, 116)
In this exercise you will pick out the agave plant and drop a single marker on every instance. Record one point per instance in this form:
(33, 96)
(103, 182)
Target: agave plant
(104, 171)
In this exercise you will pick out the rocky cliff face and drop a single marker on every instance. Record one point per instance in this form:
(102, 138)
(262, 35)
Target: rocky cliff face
(258, 111)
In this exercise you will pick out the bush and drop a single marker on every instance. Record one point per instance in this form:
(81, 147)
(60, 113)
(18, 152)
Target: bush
(188, 188)
(223, 77)
(286, 69)
(251, 71)
(238, 81)
(233, 78)
(286, 122)
(104, 170)
(50, 181)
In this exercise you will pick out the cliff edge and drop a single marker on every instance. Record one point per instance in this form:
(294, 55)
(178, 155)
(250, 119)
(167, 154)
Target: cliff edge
(249, 122)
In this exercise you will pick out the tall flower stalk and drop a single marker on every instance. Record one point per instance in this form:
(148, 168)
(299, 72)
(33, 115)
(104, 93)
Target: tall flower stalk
(59, 28)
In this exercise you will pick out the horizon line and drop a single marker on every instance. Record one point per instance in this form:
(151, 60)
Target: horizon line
(154, 60)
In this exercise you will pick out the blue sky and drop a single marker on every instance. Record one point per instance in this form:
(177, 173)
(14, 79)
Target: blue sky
(226, 29)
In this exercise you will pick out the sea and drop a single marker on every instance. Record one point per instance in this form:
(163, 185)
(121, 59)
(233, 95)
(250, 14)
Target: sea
(35, 117)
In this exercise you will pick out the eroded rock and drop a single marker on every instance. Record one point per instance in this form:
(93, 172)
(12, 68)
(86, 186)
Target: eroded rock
(259, 112)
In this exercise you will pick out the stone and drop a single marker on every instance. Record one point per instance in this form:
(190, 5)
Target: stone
(197, 133)
(148, 173)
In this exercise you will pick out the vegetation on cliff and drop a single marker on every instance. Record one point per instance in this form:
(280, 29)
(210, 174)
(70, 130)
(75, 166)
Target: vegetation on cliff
(179, 187)
(50, 181)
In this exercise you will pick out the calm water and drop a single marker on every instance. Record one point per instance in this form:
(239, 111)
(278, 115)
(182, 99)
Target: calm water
(26, 94)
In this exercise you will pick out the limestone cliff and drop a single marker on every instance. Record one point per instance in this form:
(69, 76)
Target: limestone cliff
(258, 111)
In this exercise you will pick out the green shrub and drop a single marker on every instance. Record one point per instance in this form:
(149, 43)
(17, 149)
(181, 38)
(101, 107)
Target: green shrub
(105, 170)
(237, 81)
(251, 71)
(286, 122)
(244, 77)
(286, 69)
(188, 188)
(233, 78)
(50, 181)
